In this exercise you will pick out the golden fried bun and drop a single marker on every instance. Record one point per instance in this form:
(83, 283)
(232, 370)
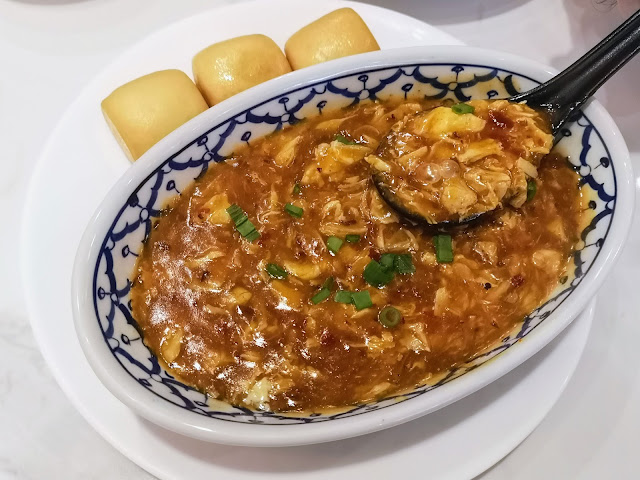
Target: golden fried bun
(338, 34)
(226, 68)
(146, 109)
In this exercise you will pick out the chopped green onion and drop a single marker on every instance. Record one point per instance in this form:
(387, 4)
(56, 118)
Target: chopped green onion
(321, 296)
(389, 317)
(352, 238)
(403, 264)
(343, 296)
(253, 235)
(293, 210)
(387, 260)
(242, 223)
(361, 299)
(376, 275)
(380, 273)
(235, 212)
(399, 263)
(532, 188)
(328, 283)
(462, 108)
(344, 140)
(239, 219)
(444, 248)
(324, 292)
(296, 189)
(276, 271)
(245, 228)
(334, 244)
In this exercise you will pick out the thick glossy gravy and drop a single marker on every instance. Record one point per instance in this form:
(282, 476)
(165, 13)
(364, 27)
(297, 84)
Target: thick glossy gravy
(209, 310)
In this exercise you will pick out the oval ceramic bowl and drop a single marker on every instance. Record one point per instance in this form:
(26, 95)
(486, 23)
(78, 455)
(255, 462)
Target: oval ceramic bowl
(108, 251)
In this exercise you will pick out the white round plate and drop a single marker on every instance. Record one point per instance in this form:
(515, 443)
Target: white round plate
(455, 443)
(82, 152)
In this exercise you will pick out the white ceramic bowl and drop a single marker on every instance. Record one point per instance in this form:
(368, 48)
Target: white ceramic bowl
(107, 252)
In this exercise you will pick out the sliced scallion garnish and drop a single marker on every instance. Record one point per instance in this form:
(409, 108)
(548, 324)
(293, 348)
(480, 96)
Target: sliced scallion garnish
(293, 210)
(376, 275)
(235, 212)
(245, 228)
(397, 262)
(352, 238)
(403, 264)
(344, 140)
(381, 273)
(324, 292)
(387, 260)
(253, 235)
(334, 244)
(389, 317)
(462, 108)
(321, 296)
(532, 188)
(328, 283)
(296, 189)
(343, 296)
(361, 299)
(242, 223)
(276, 271)
(444, 248)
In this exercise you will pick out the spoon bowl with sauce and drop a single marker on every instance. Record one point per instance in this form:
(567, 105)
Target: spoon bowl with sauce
(454, 164)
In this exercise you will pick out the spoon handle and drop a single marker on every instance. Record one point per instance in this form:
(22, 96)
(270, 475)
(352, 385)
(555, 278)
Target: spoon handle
(569, 90)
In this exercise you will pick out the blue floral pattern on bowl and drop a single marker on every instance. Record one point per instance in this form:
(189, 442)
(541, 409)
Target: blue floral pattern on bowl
(121, 245)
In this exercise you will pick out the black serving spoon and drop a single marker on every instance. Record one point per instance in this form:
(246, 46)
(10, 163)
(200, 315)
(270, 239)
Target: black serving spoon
(560, 98)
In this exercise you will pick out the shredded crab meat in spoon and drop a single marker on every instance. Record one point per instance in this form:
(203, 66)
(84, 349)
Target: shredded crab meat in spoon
(452, 163)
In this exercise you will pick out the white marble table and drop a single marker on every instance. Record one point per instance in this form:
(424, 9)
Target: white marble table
(50, 48)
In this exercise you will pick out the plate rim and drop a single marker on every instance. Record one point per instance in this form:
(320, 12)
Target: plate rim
(212, 429)
(59, 375)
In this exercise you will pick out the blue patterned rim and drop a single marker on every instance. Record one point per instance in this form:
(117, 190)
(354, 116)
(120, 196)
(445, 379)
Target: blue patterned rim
(132, 224)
